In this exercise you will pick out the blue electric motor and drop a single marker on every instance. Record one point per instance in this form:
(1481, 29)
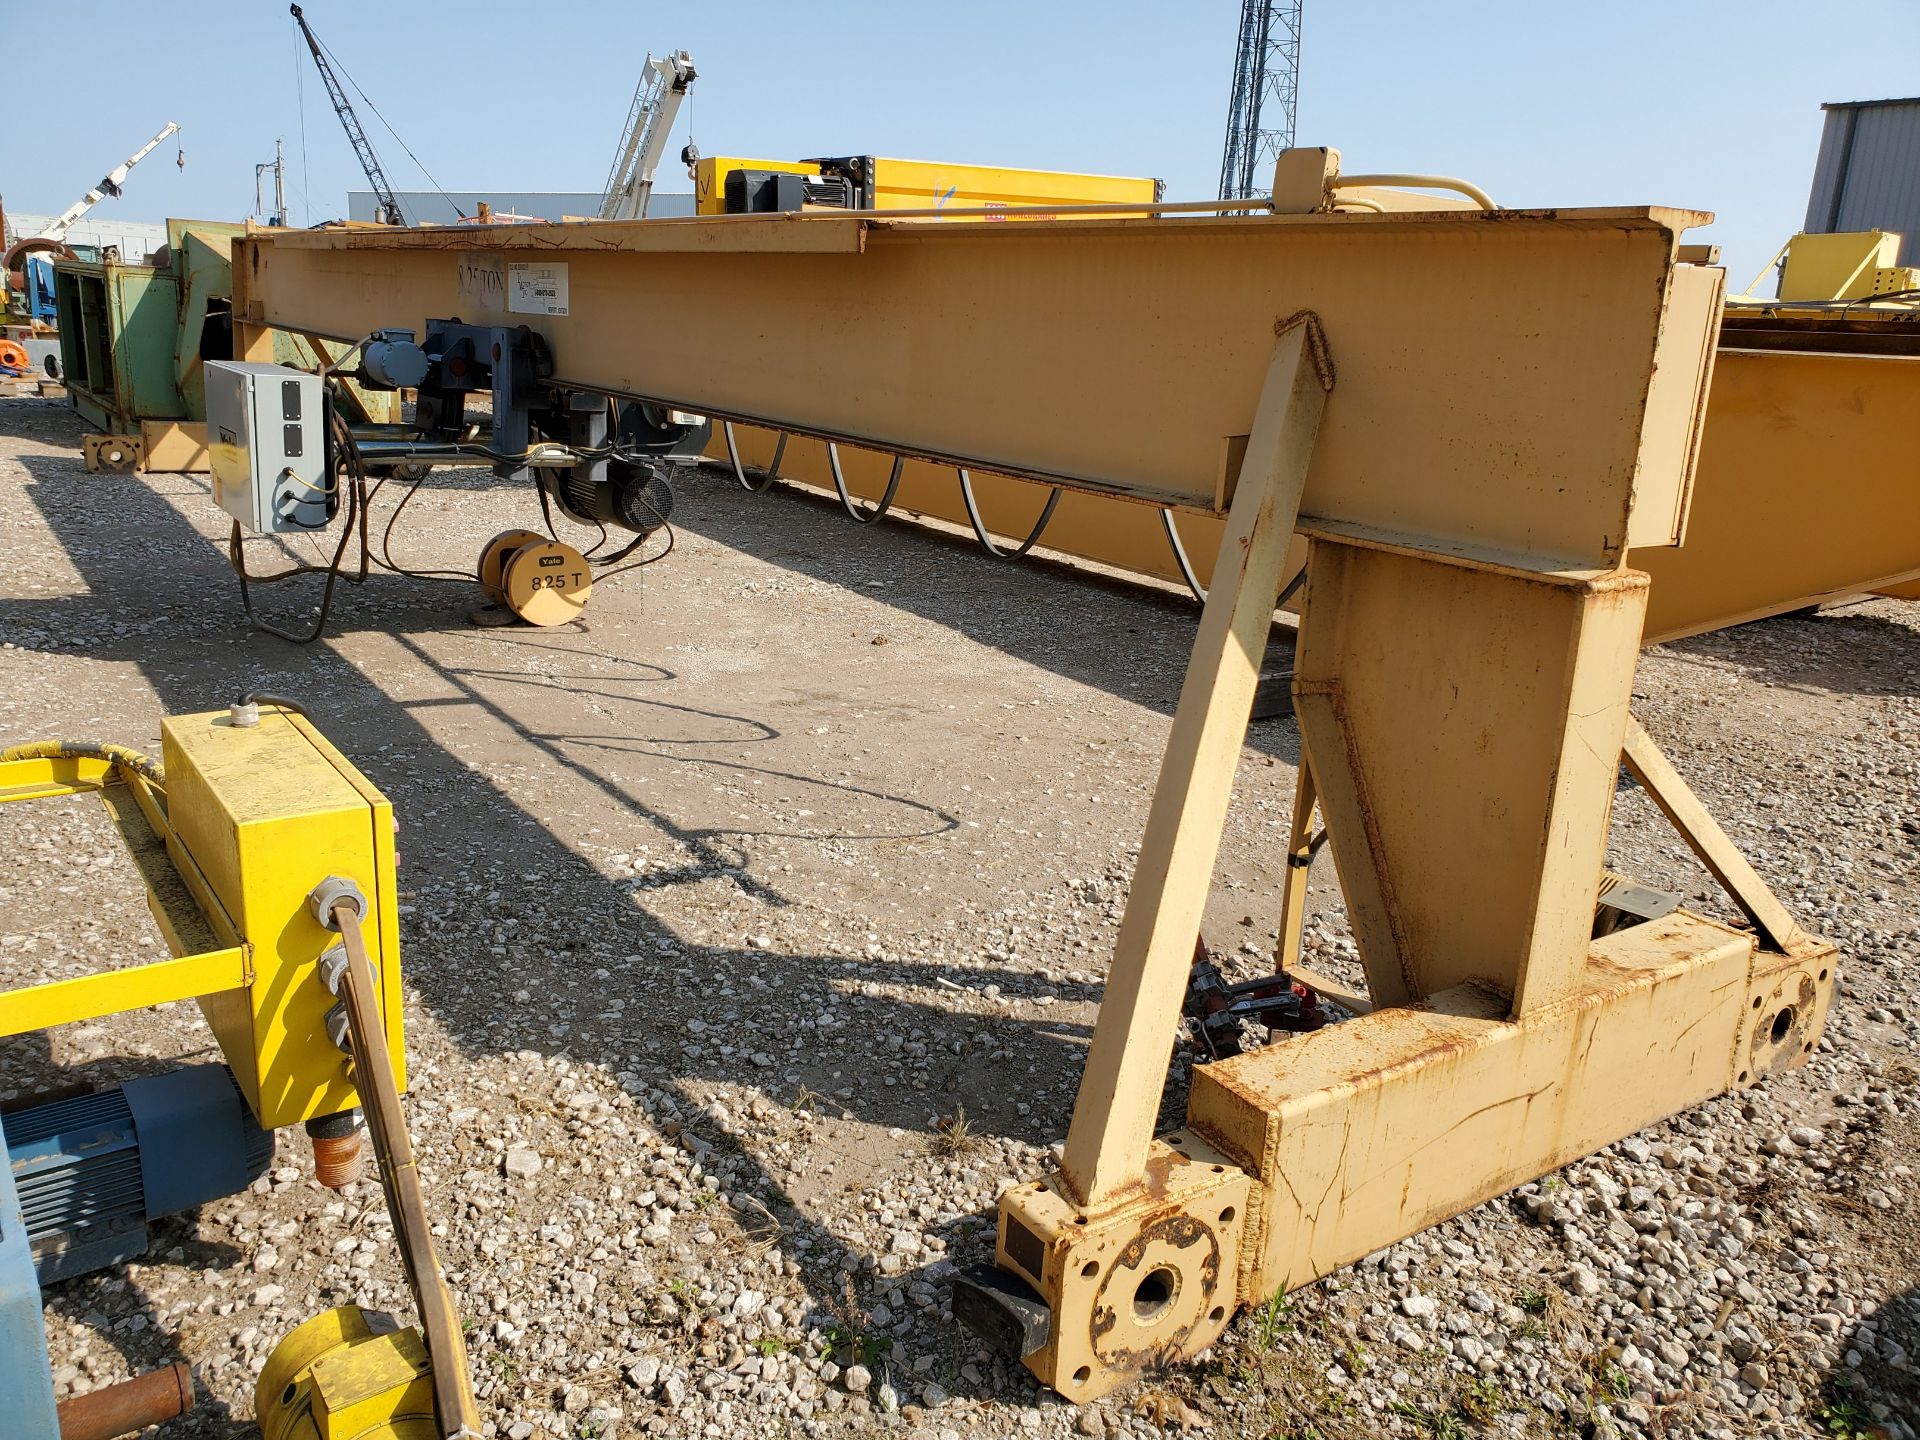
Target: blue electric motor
(91, 1170)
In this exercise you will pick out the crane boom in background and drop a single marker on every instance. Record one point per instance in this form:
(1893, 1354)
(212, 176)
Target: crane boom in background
(387, 208)
(109, 184)
(663, 85)
(1265, 98)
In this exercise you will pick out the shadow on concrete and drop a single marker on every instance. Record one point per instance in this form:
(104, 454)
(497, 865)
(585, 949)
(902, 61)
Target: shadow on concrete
(1835, 652)
(157, 596)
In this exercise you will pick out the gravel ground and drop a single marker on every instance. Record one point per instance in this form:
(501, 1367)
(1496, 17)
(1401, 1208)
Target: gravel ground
(754, 929)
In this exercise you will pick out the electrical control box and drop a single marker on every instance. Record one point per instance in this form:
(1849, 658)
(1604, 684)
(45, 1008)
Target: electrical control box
(266, 438)
(266, 812)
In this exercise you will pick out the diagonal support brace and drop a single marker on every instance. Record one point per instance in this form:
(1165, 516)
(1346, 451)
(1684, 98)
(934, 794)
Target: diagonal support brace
(1113, 1118)
(1711, 845)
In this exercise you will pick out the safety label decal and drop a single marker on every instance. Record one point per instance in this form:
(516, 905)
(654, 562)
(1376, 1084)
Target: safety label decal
(537, 289)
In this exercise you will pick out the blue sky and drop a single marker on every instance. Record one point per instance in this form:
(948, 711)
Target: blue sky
(1714, 107)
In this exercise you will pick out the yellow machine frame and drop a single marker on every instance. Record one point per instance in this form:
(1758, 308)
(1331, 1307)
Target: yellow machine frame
(247, 820)
(268, 861)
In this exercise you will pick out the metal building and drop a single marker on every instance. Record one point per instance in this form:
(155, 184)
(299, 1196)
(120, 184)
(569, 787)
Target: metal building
(1868, 173)
(431, 207)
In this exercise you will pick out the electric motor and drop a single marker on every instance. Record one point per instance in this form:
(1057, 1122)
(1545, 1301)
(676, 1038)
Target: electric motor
(636, 496)
(391, 361)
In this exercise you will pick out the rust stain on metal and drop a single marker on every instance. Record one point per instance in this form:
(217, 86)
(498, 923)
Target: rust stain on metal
(1181, 1232)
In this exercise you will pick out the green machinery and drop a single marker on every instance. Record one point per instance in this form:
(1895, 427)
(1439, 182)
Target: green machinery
(134, 338)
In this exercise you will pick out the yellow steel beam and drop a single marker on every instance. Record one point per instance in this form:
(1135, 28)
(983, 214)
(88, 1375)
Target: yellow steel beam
(1464, 726)
(1120, 356)
(43, 778)
(1804, 493)
(1807, 490)
(1363, 1132)
(1710, 844)
(113, 992)
(1520, 403)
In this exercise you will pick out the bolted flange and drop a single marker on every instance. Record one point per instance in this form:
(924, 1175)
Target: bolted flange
(1137, 1285)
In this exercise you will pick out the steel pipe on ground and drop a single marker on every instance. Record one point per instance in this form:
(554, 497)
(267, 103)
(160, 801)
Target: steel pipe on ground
(132, 1405)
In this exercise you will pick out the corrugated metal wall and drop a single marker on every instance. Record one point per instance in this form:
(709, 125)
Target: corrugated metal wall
(1868, 173)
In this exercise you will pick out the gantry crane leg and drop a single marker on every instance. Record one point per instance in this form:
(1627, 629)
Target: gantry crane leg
(1465, 723)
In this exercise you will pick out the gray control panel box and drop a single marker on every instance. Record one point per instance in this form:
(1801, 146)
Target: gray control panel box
(266, 436)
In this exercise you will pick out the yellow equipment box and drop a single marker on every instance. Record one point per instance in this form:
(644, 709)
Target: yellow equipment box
(266, 812)
(231, 835)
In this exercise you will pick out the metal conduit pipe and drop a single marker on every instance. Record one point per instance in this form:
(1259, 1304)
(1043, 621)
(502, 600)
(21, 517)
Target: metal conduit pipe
(1420, 182)
(150, 1399)
(1050, 212)
(377, 451)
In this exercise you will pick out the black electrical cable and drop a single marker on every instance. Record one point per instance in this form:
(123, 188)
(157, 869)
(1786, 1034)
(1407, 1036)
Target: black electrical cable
(385, 558)
(354, 509)
(604, 565)
(608, 574)
(356, 579)
(343, 469)
(267, 697)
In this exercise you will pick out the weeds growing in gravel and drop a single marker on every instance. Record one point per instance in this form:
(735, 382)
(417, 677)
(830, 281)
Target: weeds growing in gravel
(1482, 1400)
(1845, 1420)
(848, 1341)
(1440, 1424)
(1272, 1321)
(952, 1135)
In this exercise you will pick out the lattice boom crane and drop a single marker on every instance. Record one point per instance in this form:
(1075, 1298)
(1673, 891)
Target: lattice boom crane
(664, 83)
(387, 208)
